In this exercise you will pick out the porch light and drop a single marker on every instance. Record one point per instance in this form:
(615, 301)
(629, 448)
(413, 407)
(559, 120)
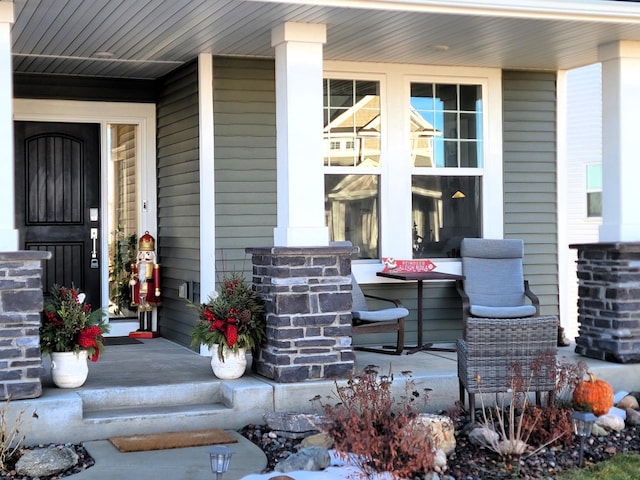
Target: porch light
(458, 194)
(220, 456)
(582, 424)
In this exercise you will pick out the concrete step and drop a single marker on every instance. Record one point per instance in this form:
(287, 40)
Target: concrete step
(98, 399)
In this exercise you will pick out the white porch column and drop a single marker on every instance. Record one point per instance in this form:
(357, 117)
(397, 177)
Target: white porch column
(620, 141)
(207, 176)
(299, 135)
(8, 232)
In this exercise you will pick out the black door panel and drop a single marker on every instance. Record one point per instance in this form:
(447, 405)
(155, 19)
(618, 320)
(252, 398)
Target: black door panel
(57, 182)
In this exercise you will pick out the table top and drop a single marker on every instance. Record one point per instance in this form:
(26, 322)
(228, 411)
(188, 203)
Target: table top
(421, 275)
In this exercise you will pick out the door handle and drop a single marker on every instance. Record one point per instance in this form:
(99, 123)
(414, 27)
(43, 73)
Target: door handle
(94, 249)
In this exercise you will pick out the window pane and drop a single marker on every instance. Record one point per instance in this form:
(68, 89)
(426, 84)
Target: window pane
(470, 96)
(352, 123)
(594, 204)
(444, 210)
(351, 210)
(442, 118)
(594, 177)
(122, 216)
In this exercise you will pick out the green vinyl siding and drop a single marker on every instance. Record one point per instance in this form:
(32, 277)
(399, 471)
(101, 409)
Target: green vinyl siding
(245, 158)
(530, 185)
(178, 242)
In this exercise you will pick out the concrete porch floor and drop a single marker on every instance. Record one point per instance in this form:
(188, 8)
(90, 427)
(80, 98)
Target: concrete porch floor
(157, 377)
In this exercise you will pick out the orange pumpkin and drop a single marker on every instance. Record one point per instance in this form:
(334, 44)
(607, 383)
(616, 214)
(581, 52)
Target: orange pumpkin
(593, 395)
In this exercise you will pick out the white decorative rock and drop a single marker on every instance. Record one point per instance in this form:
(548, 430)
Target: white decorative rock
(440, 428)
(618, 412)
(610, 422)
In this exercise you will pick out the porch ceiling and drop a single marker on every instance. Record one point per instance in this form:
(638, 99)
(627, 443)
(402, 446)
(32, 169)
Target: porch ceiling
(149, 38)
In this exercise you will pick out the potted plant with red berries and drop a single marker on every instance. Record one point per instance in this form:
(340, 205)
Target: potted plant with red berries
(71, 333)
(230, 323)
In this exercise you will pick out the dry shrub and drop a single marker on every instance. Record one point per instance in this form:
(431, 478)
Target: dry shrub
(375, 431)
(521, 423)
(553, 423)
(12, 434)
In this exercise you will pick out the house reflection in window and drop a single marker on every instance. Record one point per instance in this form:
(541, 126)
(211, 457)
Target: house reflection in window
(351, 207)
(445, 209)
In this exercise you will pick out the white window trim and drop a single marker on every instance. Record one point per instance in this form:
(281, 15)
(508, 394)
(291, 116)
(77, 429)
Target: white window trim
(104, 113)
(395, 80)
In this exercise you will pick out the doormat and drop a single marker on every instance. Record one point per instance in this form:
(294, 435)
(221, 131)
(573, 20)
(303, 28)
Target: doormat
(120, 341)
(165, 441)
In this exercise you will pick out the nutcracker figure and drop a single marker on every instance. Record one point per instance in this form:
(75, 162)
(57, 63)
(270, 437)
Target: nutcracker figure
(145, 282)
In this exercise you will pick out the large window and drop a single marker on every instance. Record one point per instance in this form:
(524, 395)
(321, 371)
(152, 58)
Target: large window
(352, 157)
(446, 145)
(409, 165)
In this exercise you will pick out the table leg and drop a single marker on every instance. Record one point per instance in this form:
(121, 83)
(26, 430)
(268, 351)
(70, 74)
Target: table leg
(421, 346)
(424, 346)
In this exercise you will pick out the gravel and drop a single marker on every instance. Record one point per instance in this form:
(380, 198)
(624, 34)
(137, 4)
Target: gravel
(470, 462)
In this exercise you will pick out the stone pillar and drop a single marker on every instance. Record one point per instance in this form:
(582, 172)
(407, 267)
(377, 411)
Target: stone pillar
(308, 304)
(609, 301)
(21, 302)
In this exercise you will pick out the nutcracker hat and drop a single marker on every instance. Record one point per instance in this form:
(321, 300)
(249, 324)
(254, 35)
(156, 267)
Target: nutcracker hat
(147, 243)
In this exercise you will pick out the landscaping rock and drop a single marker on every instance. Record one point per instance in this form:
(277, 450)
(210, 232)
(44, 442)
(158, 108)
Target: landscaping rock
(633, 417)
(483, 436)
(293, 425)
(440, 461)
(617, 396)
(628, 401)
(618, 412)
(599, 431)
(610, 422)
(43, 462)
(441, 429)
(310, 459)
(318, 440)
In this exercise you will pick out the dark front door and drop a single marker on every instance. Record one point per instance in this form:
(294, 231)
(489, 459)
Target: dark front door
(58, 200)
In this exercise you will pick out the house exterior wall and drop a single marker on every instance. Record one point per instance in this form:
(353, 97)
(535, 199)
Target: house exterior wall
(178, 242)
(530, 187)
(245, 159)
(584, 146)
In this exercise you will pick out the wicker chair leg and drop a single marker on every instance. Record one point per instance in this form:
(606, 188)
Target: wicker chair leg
(538, 399)
(472, 408)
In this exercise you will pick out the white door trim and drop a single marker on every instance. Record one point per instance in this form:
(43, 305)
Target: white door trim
(104, 113)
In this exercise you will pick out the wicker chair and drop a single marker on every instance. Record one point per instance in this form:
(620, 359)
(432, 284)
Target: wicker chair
(502, 326)
(377, 321)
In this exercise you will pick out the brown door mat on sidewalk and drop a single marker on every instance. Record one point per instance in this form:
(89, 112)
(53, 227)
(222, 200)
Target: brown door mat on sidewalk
(164, 441)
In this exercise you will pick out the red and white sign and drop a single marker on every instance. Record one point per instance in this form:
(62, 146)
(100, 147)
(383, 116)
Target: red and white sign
(407, 266)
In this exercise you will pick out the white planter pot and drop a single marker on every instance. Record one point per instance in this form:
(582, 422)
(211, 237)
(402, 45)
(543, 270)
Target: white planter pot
(233, 365)
(69, 369)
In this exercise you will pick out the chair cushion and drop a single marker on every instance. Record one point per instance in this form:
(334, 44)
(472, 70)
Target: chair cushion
(502, 312)
(493, 272)
(492, 248)
(383, 315)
